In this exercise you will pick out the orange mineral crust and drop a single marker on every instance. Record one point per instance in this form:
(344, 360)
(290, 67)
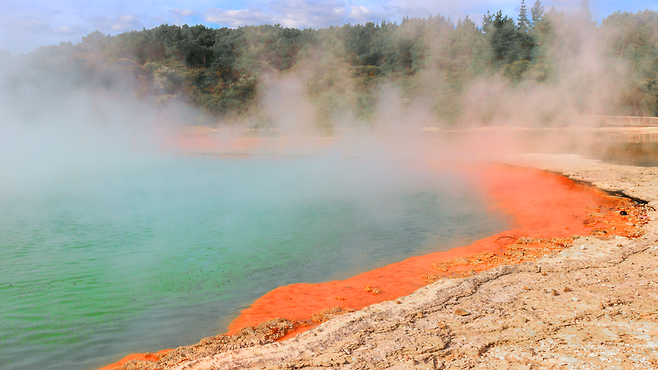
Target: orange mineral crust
(137, 356)
(546, 211)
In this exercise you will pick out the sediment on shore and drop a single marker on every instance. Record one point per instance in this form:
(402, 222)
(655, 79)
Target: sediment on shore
(544, 302)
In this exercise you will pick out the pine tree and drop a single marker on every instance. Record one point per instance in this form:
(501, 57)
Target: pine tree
(504, 40)
(585, 12)
(525, 39)
(487, 23)
(524, 23)
(537, 12)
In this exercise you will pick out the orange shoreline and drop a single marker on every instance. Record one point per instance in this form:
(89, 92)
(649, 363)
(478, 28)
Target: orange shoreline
(542, 206)
(137, 356)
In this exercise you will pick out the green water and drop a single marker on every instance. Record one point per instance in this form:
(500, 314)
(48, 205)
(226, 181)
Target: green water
(99, 263)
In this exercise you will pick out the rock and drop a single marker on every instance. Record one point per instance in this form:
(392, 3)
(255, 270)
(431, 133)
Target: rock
(426, 331)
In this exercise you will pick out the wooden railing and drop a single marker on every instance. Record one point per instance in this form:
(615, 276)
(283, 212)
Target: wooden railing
(618, 121)
(627, 137)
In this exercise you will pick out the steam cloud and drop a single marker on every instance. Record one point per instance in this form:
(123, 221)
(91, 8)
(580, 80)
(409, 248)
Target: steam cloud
(61, 112)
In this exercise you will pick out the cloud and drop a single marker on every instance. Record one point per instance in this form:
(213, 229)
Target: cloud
(24, 34)
(294, 13)
(29, 25)
(183, 12)
(119, 24)
(359, 13)
(305, 14)
(44, 22)
(321, 13)
(235, 18)
(69, 30)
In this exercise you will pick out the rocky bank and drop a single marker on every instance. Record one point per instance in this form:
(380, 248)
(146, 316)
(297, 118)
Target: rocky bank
(591, 306)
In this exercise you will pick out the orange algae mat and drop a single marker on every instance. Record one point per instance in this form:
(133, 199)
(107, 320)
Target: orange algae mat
(544, 208)
(541, 205)
(137, 356)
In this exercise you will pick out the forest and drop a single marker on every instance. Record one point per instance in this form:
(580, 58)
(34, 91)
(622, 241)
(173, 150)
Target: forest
(435, 60)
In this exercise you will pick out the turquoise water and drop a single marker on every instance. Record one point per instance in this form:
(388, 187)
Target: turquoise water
(99, 263)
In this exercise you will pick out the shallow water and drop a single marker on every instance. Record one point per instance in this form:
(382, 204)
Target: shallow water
(97, 264)
(642, 154)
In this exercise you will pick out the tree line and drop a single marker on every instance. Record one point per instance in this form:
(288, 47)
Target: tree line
(435, 59)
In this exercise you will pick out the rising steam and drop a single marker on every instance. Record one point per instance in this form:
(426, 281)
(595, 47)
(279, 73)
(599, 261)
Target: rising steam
(65, 108)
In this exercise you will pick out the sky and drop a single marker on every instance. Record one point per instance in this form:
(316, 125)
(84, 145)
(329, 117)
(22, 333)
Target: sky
(26, 25)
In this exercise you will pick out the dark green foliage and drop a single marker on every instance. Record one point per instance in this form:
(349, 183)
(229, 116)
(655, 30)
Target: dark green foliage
(361, 44)
(634, 38)
(510, 44)
(524, 22)
(433, 60)
(223, 51)
(504, 39)
(537, 12)
(651, 97)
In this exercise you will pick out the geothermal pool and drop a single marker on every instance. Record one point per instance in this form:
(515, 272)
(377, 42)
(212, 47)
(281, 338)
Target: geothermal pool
(99, 263)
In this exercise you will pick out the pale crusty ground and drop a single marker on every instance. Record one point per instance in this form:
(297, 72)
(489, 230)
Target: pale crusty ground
(593, 306)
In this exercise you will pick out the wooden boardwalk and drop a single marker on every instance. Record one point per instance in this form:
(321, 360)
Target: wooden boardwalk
(616, 121)
(604, 129)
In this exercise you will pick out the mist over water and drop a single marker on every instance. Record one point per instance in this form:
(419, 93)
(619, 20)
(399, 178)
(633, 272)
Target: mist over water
(113, 242)
(160, 253)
